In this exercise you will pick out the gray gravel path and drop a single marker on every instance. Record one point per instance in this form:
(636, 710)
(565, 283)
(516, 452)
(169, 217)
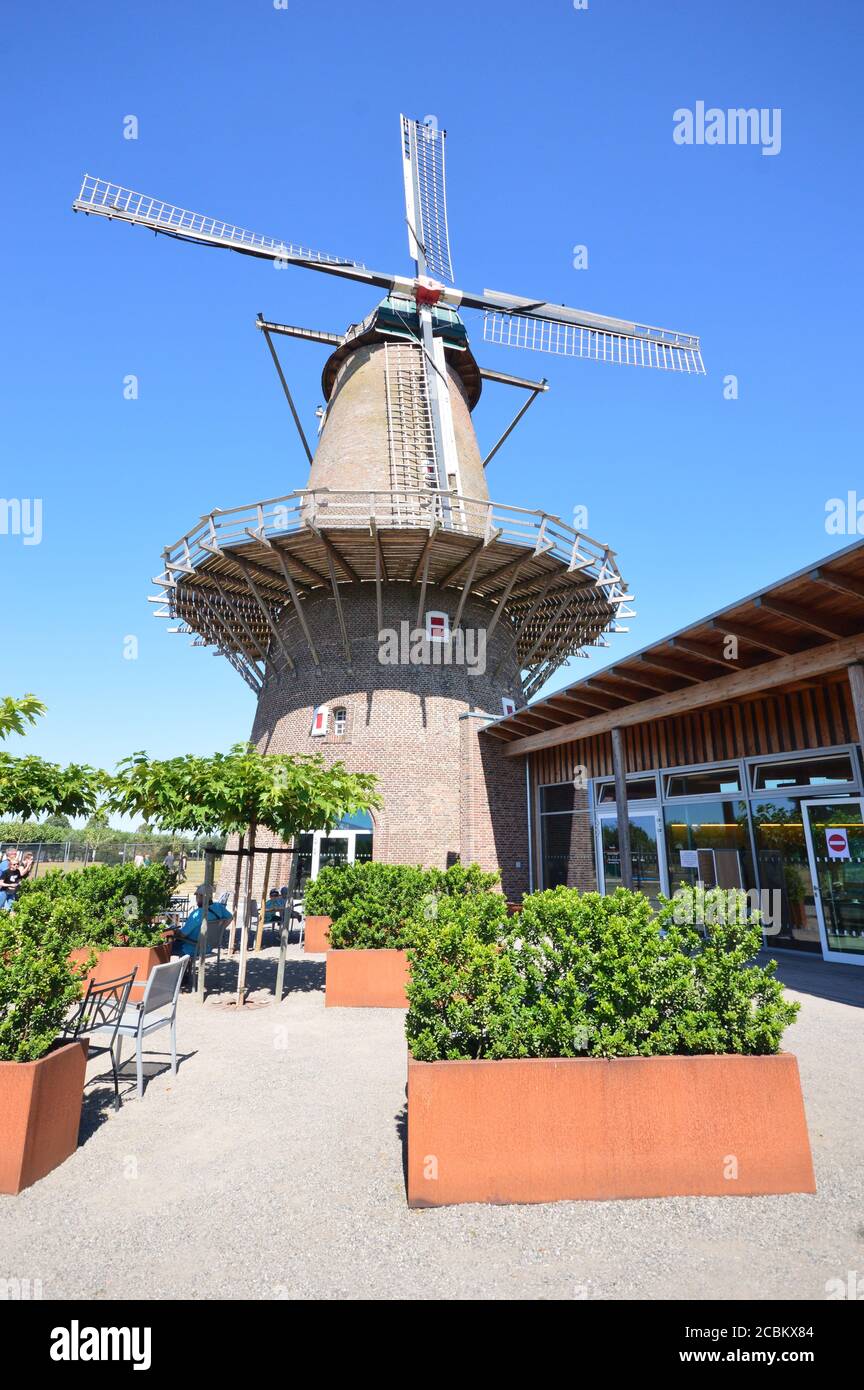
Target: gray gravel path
(271, 1167)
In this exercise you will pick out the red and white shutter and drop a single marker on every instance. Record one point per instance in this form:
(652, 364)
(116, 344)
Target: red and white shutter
(437, 627)
(319, 721)
(508, 705)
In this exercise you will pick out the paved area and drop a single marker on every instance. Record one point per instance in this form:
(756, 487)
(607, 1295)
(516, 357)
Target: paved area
(271, 1168)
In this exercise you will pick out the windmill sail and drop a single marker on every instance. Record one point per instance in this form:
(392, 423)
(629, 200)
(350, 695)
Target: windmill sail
(110, 200)
(426, 198)
(632, 345)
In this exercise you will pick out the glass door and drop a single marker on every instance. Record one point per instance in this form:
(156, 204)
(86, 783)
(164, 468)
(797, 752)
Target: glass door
(835, 845)
(646, 853)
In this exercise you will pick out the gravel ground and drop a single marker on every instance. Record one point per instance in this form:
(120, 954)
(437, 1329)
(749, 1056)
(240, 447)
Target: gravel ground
(271, 1167)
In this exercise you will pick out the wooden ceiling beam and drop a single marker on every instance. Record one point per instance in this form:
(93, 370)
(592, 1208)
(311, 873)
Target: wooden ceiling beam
(819, 660)
(827, 627)
(769, 642)
(843, 583)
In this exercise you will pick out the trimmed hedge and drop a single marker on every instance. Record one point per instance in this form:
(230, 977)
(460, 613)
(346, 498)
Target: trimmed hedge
(375, 905)
(586, 975)
(37, 984)
(105, 905)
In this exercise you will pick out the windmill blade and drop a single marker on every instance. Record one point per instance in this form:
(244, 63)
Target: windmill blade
(426, 198)
(639, 347)
(556, 328)
(112, 201)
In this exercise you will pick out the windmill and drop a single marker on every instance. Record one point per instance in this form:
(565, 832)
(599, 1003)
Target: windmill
(395, 529)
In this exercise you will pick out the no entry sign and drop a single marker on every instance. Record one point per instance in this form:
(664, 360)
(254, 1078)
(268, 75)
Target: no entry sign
(837, 841)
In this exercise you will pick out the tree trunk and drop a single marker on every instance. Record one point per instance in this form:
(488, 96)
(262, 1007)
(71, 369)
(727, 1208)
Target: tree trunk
(247, 917)
(236, 903)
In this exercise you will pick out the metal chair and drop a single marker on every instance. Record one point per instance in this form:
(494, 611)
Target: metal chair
(140, 1020)
(101, 1011)
(213, 939)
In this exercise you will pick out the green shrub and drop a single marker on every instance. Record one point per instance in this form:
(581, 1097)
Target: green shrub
(375, 905)
(586, 975)
(118, 902)
(37, 985)
(326, 895)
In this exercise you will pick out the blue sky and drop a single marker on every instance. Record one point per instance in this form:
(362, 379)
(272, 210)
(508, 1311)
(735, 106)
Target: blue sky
(286, 121)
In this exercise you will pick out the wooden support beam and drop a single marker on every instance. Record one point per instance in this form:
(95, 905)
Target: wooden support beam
(646, 680)
(527, 619)
(668, 663)
(856, 684)
(334, 585)
(468, 556)
(714, 658)
(421, 599)
(569, 705)
(817, 661)
(334, 553)
(380, 574)
(501, 605)
(828, 627)
(424, 553)
(238, 616)
(619, 764)
(547, 627)
(315, 575)
(843, 583)
(466, 587)
(769, 642)
(268, 617)
(295, 599)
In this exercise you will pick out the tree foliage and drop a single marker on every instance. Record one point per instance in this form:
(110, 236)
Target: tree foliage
(31, 787)
(229, 792)
(15, 715)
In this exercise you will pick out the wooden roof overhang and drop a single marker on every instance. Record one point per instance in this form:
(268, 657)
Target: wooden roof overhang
(803, 629)
(240, 579)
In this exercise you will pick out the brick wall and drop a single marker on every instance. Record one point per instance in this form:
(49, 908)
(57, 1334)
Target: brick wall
(446, 794)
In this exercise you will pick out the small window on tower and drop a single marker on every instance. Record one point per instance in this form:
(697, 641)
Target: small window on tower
(319, 721)
(340, 720)
(437, 627)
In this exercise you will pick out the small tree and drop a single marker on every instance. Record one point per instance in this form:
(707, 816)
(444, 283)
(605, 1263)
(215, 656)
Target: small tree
(240, 792)
(97, 831)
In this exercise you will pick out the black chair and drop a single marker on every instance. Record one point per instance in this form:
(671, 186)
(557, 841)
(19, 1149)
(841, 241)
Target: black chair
(102, 1009)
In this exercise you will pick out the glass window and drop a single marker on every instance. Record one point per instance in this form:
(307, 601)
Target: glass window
(784, 869)
(568, 851)
(708, 842)
(802, 772)
(362, 849)
(340, 720)
(638, 789)
(558, 798)
(708, 781)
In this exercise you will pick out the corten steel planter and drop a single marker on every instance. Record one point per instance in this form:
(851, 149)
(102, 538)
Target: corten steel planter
(558, 1129)
(40, 1111)
(316, 936)
(121, 960)
(366, 979)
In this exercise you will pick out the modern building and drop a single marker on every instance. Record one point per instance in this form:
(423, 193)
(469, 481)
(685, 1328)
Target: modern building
(736, 744)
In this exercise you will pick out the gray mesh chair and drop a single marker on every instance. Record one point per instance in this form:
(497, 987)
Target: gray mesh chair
(101, 1011)
(157, 1009)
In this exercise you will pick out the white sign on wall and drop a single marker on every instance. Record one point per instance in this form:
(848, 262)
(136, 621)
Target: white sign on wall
(689, 858)
(837, 840)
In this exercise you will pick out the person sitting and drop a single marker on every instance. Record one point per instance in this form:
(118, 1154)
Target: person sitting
(273, 908)
(186, 940)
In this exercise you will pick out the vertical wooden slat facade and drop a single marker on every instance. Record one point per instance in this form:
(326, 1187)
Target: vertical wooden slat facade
(818, 717)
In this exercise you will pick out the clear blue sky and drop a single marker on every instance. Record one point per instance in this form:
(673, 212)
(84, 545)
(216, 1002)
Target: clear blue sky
(560, 133)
